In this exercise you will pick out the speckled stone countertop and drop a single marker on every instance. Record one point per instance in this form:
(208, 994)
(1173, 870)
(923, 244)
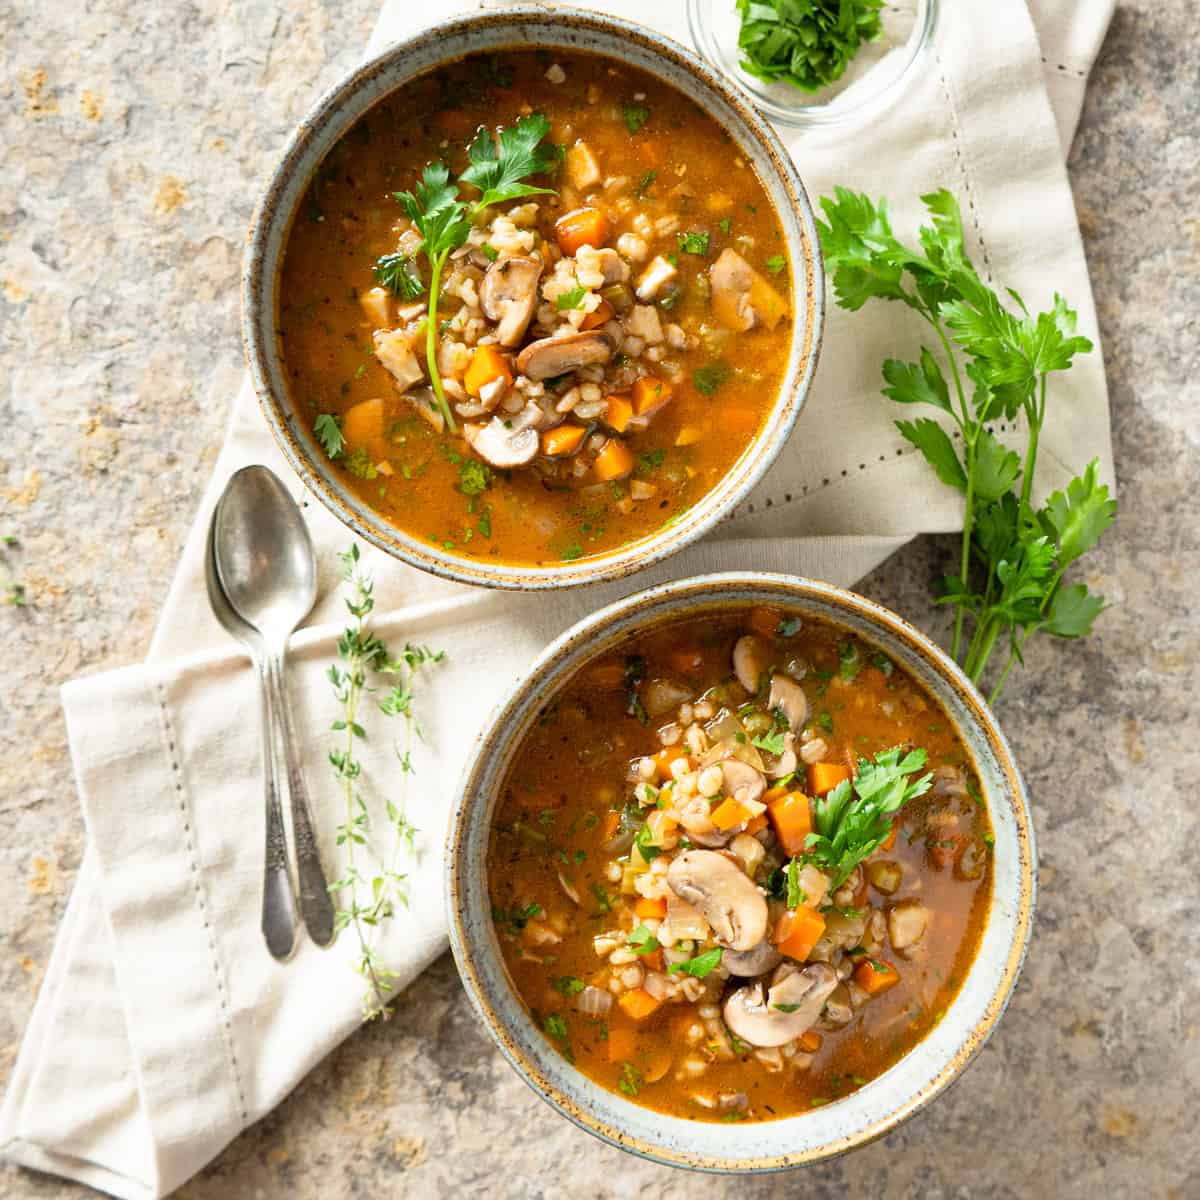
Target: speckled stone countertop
(134, 139)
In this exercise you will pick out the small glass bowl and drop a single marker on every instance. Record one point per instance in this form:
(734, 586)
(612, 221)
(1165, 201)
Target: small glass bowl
(873, 80)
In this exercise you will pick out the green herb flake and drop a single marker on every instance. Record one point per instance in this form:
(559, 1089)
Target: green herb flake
(709, 378)
(776, 263)
(328, 431)
(636, 115)
(693, 242)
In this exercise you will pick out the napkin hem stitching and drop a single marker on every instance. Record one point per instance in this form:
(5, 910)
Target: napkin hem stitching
(193, 866)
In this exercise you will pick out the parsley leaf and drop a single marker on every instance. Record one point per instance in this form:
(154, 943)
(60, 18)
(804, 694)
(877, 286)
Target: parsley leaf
(776, 263)
(772, 743)
(850, 661)
(698, 967)
(568, 985)
(571, 299)
(499, 162)
(474, 477)
(852, 821)
(642, 940)
(1077, 518)
(328, 430)
(398, 274)
(645, 184)
(631, 1079)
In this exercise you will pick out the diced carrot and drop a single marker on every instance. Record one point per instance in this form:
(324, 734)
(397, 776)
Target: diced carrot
(581, 227)
(565, 439)
(825, 776)
(811, 1042)
(729, 814)
(656, 909)
(875, 976)
(756, 823)
(602, 313)
(798, 931)
(764, 621)
(653, 961)
(614, 461)
(487, 364)
(619, 413)
(687, 660)
(775, 792)
(889, 841)
(362, 425)
(638, 1004)
(650, 394)
(610, 825)
(792, 819)
(606, 675)
(622, 1043)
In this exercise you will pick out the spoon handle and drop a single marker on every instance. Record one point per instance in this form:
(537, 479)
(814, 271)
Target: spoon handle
(316, 905)
(278, 905)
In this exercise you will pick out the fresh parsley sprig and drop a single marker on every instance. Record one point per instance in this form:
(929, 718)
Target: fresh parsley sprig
(853, 820)
(367, 902)
(807, 43)
(498, 164)
(1012, 556)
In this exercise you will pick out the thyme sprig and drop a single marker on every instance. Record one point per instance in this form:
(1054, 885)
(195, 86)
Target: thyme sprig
(372, 886)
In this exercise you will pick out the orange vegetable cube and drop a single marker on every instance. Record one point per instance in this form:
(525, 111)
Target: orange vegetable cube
(756, 823)
(622, 1043)
(487, 364)
(581, 227)
(655, 909)
(765, 621)
(729, 814)
(619, 414)
(602, 313)
(614, 461)
(565, 439)
(811, 1042)
(798, 931)
(650, 394)
(638, 1004)
(610, 825)
(792, 818)
(664, 758)
(875, 976)
(825, 776)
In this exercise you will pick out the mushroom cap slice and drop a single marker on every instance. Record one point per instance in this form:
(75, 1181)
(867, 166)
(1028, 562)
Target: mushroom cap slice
(751, 658)
(749, 964)
(752, 1012)
(787, 695)
(734, 908)
(559, 355)
(741, 297)
(508, 294)
(741, 781)
(502, 447)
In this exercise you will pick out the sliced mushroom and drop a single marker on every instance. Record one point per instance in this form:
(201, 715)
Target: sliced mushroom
(508, 294)
(741, 781)
(734, 908)
(749, 964)
(907, 922)
(501, 446)
(752, 1013)
(425, 402)
(552, 356)
(751, 658)
(741, 297)
(788, 696)
(838, 1010)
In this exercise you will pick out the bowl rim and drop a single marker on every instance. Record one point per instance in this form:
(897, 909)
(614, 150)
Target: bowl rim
(260, 273)
(637, 612)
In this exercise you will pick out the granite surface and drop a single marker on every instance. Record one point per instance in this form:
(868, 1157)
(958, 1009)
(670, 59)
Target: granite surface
(134, 137)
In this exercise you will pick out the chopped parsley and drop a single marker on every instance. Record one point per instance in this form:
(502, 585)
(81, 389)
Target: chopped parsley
(631, 1079)
(708, 379)
(725, 225)
(572, 299)
(700, 966)
(850, 661)
(636, 115)
(359, 464)
(883, 663)
(473, 477)
(516, 918)
(568, 985)
(693, 242)
(642, 941)
(645, 184)
(776, 263)
(489, 251)
(651, 460)
(398, 273)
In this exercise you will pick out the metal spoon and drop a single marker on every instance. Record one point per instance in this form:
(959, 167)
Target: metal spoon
(267, 569)
(279, 906)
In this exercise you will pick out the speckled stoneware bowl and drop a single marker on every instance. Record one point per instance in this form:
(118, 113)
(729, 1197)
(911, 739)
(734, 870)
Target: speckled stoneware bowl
(525, 26)
(877, 1107)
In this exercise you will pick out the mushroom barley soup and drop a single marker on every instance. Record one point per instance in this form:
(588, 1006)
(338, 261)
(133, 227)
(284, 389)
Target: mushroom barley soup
(608, 282)
(742, 869)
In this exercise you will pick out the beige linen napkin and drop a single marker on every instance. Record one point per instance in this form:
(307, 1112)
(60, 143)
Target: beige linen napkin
(162, 1027)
